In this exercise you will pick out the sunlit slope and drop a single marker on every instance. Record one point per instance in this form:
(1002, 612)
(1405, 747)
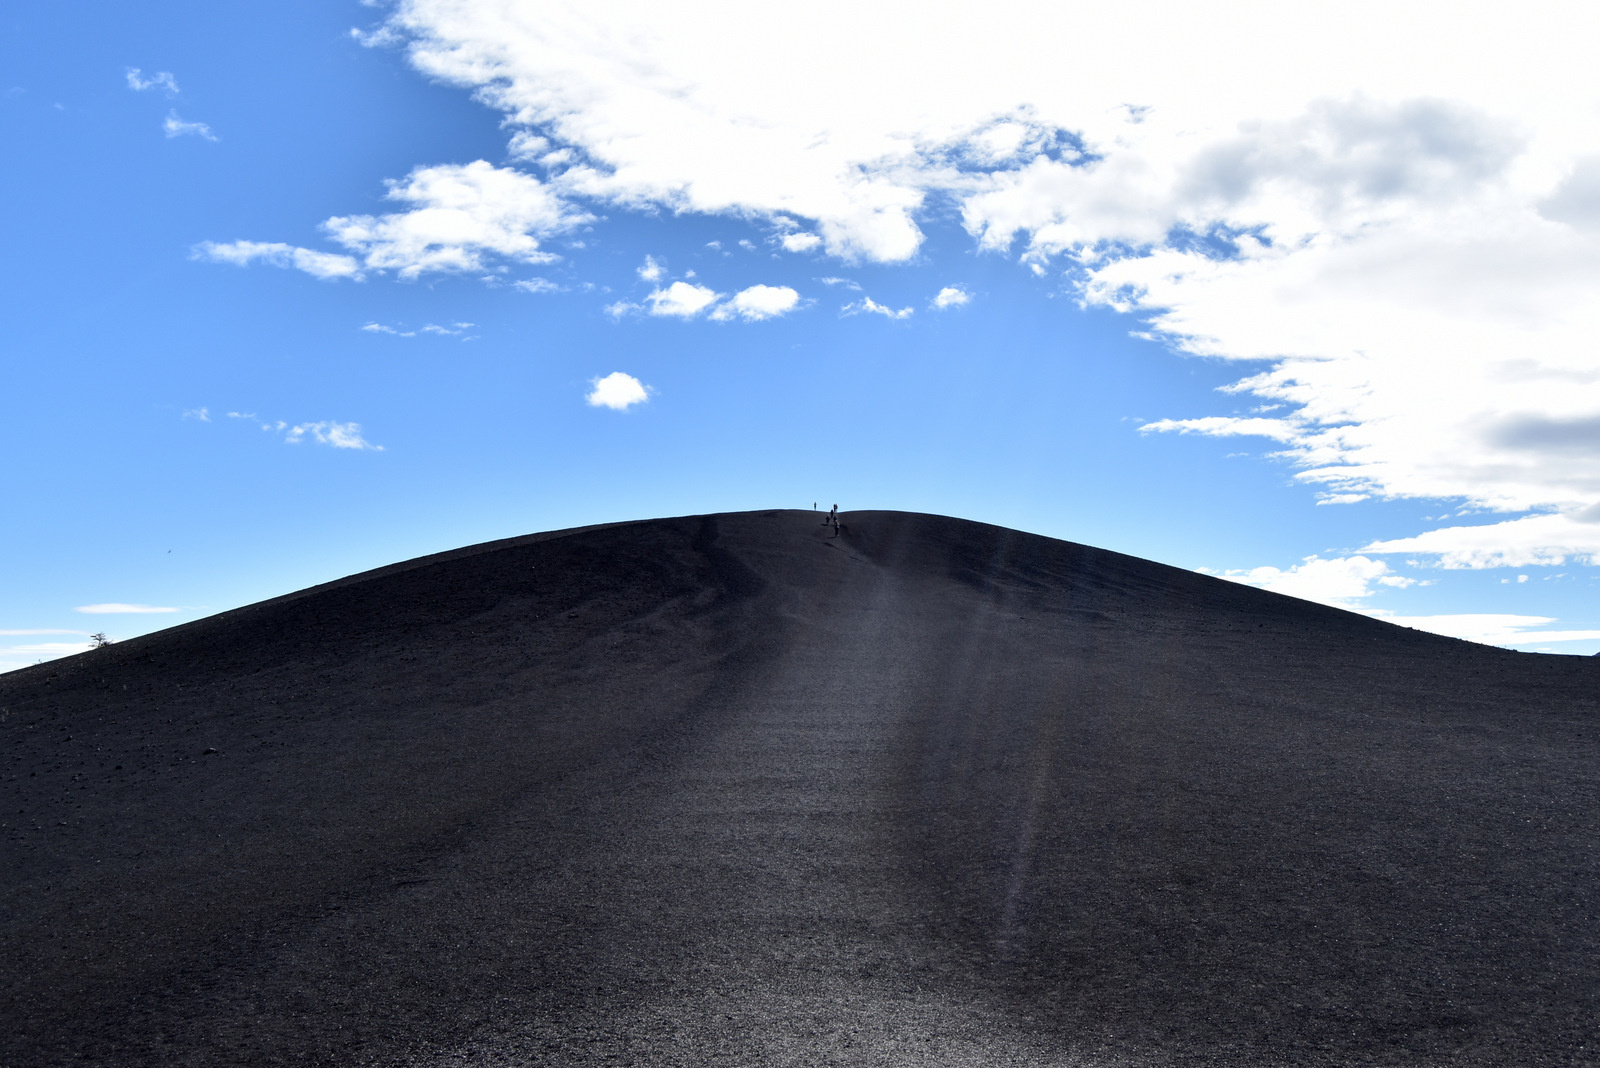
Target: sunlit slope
(728, 787)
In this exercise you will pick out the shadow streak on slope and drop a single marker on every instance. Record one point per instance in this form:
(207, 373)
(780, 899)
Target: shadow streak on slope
(933, 792)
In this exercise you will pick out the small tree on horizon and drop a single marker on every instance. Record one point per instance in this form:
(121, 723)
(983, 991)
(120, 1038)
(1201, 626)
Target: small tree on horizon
(99, 641)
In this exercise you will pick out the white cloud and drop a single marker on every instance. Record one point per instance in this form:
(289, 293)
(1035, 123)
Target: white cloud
(618, 392)
(1341, 581)
(453, 330)
(325, 265)
(13, 657)
(176, 127)
(1491, 628)
(801, 242)
(325, 432)
(1397, 213)
(160, 80)
(1230, 426)
(338, 435)
(119, 609)
(459, 218)
(537, 285)
(652, 270)
(201, 414)
(458, 215)
(868, 306)
(1549, 539)
(951, 297)
(681, 299)
(758, 302)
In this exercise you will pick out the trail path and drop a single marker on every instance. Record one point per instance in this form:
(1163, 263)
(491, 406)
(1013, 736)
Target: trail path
(753, 875)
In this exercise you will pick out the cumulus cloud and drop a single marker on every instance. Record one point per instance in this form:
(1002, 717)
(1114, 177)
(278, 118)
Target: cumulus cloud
(868, 306)
(618, 392)
(800, 242)
(683, 300)
(652, 270)
(119, 609)
(458, 218)
(161, 80)
(951, 297)
(327, 432)
(1341, 581)
(324, 265)
(758, 302)
(1576, 200)
(177, 127)
(1389, 214)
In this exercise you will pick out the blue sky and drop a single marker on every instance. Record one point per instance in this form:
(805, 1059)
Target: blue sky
(297, 292)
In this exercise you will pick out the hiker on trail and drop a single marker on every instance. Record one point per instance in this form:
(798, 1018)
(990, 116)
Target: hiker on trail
(836, 524)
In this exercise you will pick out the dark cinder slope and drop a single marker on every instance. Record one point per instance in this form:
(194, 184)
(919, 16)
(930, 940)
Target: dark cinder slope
(724, 790)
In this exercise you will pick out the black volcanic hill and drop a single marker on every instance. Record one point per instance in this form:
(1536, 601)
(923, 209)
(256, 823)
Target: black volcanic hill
(726, 790)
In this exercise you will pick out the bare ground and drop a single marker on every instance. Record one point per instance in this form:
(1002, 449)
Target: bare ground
(726, 790)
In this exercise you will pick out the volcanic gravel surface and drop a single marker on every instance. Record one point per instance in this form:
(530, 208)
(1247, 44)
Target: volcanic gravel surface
(727, 790)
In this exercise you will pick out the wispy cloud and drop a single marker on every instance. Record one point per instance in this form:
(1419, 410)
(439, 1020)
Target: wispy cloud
(1491, 628)
(537, 285)
(120, 609)
(1537, 540)
(324, 265)
(618, 391)
(162, 80)
(323, 432)
(201, 414)
(868, 306)
(27, 654)
(453, 330)
(177, 127)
